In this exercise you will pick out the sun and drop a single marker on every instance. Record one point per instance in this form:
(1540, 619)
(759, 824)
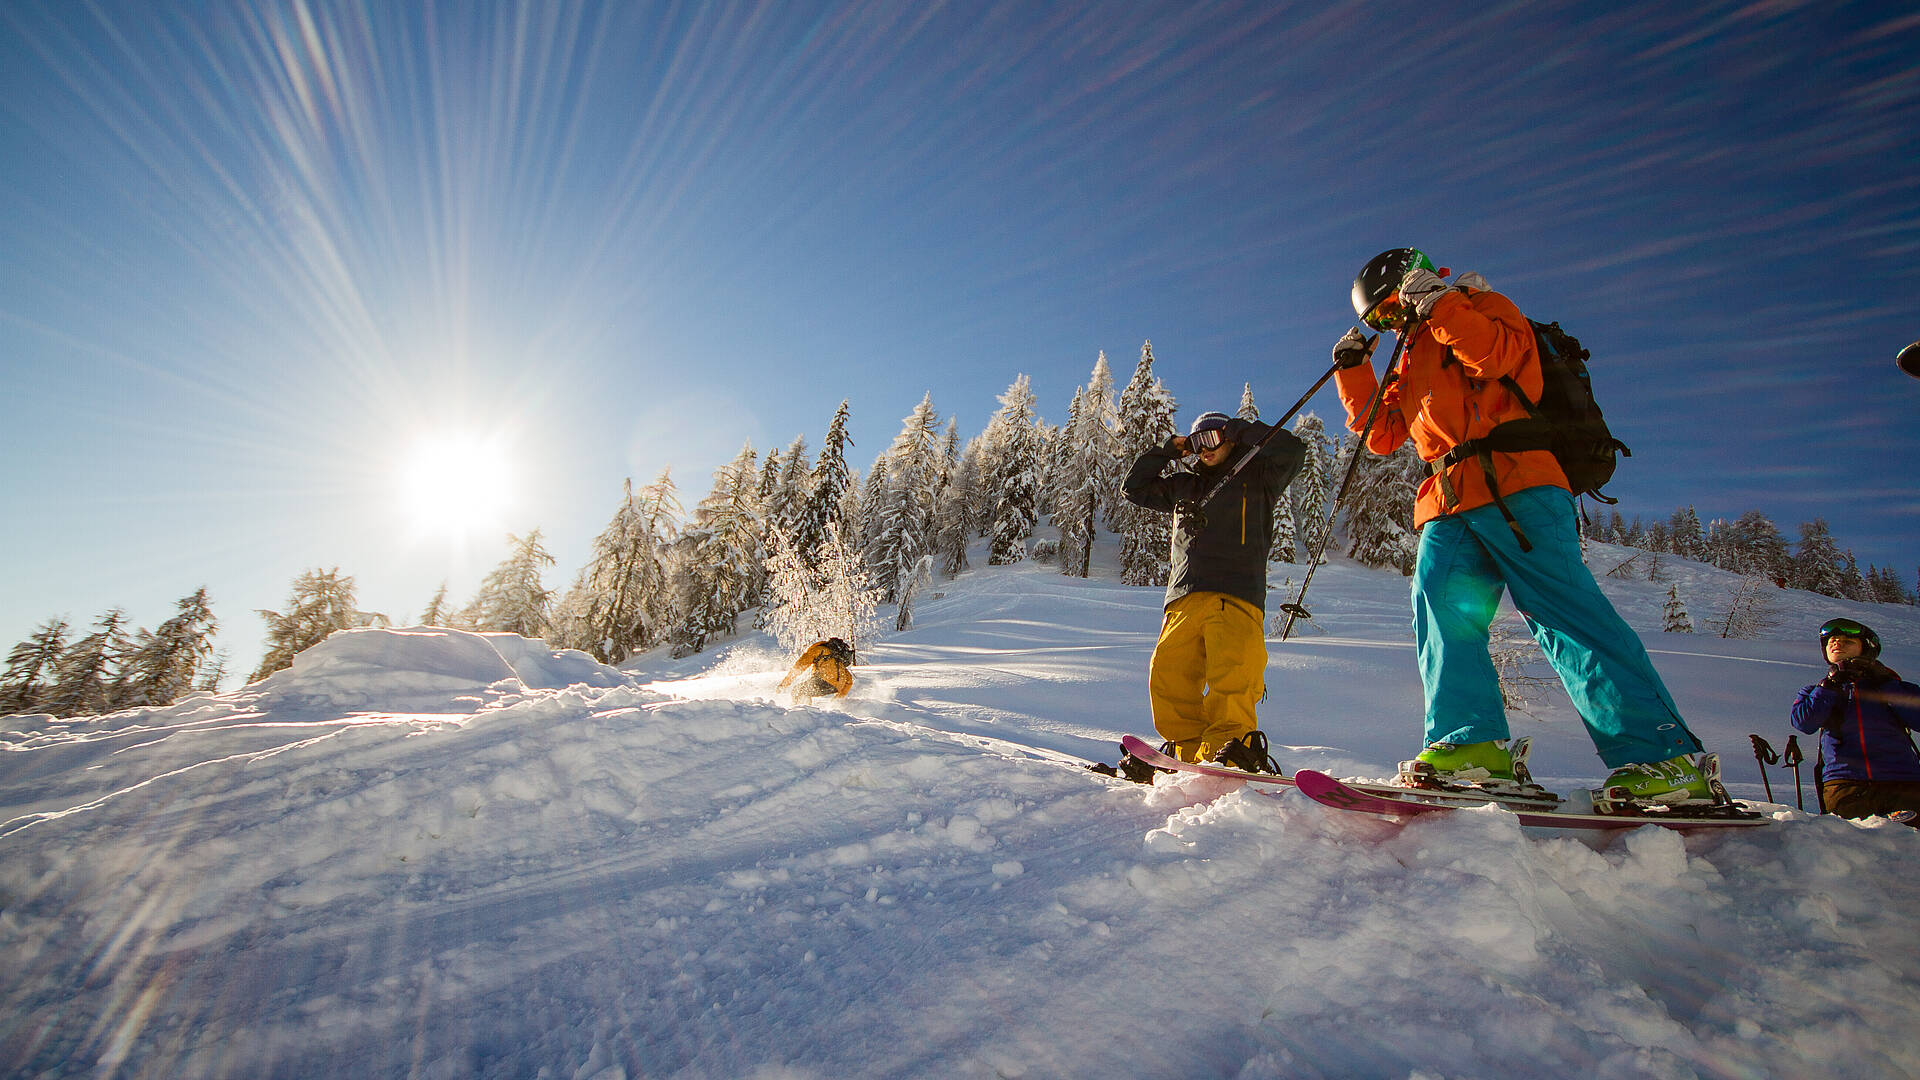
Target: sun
(455, 484)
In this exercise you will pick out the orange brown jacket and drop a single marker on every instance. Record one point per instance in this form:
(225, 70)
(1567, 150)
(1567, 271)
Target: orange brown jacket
(822, 661)
(1449, 392)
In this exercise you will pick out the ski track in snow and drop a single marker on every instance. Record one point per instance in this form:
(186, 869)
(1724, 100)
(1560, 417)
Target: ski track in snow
(437, 854)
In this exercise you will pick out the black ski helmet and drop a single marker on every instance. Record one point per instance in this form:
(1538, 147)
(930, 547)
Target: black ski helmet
(1380, 278)
(1869, 641)
(1909, 360)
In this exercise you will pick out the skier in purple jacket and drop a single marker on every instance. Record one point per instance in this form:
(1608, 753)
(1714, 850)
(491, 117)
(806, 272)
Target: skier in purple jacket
(1863, 713)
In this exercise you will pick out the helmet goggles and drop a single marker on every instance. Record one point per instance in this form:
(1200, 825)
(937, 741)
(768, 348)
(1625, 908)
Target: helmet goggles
(1385, 315)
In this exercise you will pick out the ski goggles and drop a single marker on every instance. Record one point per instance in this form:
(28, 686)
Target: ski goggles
(1831, 630)
(1206, 438)
(1384, 315)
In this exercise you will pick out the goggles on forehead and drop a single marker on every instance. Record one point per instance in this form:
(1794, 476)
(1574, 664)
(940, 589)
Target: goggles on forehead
(1841, 631)
(1206, 438)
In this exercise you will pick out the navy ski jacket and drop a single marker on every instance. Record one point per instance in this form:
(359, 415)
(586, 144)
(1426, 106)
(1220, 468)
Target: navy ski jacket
(1863, 728)
(1229, 554)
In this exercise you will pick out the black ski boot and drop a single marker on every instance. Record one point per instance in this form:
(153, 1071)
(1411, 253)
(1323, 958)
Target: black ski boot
(1132, 768)
(1248, 753)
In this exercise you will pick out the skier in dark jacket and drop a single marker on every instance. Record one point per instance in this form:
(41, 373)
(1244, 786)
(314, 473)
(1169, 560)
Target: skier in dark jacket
(1863, 713)
(1209, 668)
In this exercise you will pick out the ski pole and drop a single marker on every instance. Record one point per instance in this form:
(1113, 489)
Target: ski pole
(1764, 754)
(1195, 511)
(1793, 757)
(1295, 609)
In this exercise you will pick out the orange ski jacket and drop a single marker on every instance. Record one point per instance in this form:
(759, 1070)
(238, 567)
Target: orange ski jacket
(822, 662)
(1448, 392)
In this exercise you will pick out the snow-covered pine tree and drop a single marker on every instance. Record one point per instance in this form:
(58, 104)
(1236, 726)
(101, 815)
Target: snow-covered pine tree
(1689, 542)
(1248, 410)
(1145, 422)
(1313, 487)
(31, 667)
(904, 525)
(164, 664)
(606, 611)
(1635, 535)
(1884, 587)
(723, 565)
(957, 521)
(1015, 435)
(1758, 548)
(870, 494)
(829, 595)
(787, 506)
(1379, 509)
(1051, 436)
(437, 612)
(85, 676)
(1286, 533)
(1074, 499)
(1852, 585)
(827, 488)
(1100, 431)
(1816, 562)
(1674, 617)
(320, 603)
(512, 599)
(768, 480)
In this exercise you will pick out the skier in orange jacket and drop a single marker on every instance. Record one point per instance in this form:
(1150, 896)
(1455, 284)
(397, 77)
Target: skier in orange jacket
(1515, 536)
(829, 668)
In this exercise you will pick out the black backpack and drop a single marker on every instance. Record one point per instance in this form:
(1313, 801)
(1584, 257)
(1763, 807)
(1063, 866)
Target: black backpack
(1566, 420)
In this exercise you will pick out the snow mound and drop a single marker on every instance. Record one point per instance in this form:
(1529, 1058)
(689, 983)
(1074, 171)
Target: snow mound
(399, 667)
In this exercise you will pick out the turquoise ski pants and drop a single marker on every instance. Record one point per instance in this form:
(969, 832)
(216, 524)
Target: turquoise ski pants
(1465, 561)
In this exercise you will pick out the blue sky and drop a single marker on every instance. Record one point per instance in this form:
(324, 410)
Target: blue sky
(251, 254)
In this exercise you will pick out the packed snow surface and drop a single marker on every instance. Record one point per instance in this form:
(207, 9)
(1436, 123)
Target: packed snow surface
(439, 854)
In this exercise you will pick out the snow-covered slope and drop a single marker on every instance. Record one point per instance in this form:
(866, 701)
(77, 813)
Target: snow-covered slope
(428, 853)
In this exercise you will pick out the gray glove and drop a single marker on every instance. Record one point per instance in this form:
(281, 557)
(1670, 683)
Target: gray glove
(1420, 289)
(1352, 350)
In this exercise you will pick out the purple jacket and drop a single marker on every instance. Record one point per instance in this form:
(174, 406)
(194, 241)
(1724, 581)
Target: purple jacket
(1863, 729)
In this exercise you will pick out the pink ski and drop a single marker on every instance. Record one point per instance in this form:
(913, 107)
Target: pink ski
(1327, 791)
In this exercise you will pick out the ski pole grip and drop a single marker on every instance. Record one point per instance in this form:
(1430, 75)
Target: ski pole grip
(1792, 755)
(1764, 752)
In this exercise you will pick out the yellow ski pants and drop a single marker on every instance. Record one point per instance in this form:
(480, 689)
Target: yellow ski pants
(1209, 671)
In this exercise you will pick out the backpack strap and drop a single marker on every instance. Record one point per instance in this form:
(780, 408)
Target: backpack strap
(1479, 450)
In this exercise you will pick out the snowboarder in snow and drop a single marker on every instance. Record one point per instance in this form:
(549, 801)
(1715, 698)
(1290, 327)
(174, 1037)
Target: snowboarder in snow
(1209, 668)
(828, 666)
(1446, 391)
(1863, 713)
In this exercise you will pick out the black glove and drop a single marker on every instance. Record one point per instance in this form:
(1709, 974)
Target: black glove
(1352, 350)
(1838, 675)
(1176, 445)
(1867, 671)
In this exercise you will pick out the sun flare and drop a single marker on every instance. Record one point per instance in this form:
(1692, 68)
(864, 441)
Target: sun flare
(455, 484)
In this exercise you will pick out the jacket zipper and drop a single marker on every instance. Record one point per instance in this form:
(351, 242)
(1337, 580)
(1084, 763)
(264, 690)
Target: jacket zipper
(1860, 722)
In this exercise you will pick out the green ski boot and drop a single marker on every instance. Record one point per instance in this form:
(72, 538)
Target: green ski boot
(1677, 781)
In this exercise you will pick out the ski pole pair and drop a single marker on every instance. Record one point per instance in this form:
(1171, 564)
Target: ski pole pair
(1296, 609)
(1763, 753)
